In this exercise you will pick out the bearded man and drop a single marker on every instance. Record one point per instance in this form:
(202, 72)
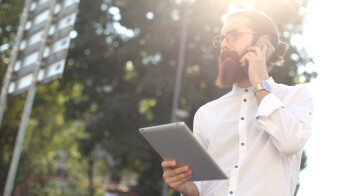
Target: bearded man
(256, 132)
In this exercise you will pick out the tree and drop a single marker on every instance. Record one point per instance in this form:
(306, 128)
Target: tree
(9, 15)
(48, 134)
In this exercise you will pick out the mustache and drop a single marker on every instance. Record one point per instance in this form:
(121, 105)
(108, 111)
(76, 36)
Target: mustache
(234, 56)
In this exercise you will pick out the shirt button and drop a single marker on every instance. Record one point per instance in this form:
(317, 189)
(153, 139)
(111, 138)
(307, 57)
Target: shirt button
(246, 90)
(242, 118)
(236, 166)
(231, 192)
(245, 100)
(242, 144)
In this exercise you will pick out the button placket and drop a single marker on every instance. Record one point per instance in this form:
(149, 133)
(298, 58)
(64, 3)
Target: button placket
(243, 127)
(233, 181)
(242, 133)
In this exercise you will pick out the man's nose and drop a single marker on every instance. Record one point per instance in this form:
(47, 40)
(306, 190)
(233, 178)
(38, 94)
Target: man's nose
(224, 45)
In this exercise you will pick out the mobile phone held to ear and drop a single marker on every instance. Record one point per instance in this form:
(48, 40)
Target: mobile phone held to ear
(270, 49)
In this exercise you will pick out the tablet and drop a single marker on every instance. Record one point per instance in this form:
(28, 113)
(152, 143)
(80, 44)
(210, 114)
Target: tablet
(175, 141)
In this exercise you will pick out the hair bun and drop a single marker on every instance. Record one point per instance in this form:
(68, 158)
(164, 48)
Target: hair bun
(282, 48)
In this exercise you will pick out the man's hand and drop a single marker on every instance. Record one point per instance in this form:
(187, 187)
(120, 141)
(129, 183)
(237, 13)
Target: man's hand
(177, 178)
(254, 62)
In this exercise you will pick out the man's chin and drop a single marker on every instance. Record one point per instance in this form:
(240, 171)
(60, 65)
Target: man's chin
(230, 71)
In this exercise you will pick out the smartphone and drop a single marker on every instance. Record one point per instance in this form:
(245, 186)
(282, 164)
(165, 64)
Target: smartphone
(270, 49)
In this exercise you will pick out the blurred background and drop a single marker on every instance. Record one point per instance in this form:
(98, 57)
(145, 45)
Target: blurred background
(120, 73)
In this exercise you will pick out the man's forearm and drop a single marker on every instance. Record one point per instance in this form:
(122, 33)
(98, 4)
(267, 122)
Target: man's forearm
(191, 190)
(260, 95)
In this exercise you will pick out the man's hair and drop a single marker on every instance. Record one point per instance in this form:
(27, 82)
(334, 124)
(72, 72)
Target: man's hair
(261, 23)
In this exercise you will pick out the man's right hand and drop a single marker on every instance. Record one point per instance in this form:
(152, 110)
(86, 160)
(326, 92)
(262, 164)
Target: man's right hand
(177, 178)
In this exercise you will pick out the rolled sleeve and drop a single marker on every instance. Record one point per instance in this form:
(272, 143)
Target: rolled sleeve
(268, 105)
(288, 122)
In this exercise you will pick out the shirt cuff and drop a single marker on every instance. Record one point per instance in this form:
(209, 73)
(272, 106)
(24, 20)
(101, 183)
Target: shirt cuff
(269, 104)
(198, 185)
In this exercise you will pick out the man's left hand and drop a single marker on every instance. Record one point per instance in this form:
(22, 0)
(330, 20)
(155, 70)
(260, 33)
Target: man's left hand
(254, 62)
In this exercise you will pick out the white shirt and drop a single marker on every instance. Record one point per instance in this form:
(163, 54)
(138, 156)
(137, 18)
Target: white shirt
(259, 147)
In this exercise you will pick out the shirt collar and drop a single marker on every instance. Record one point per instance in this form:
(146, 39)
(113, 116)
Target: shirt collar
(236, 90)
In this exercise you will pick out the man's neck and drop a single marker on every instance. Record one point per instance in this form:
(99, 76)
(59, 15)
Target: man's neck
(244, 83)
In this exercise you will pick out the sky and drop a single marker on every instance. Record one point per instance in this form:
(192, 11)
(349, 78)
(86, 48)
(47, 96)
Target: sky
(327, 39)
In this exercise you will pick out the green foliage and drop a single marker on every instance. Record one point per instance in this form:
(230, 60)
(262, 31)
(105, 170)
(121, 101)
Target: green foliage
(120, 76)
(9, 18)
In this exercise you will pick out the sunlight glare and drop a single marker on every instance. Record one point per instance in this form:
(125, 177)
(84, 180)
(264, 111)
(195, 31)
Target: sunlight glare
(233, 8)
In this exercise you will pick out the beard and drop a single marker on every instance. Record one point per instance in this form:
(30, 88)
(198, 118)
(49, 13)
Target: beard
(230, 71)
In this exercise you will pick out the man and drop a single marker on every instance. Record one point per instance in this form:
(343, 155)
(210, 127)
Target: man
(256, 132)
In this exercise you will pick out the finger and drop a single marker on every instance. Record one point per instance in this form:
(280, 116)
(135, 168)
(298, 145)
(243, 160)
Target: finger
(244, 61)
(250, 54)
(168, 164)
(174, 172)
(263, 50)
(179, 179)
(180, 182)
(256, 50)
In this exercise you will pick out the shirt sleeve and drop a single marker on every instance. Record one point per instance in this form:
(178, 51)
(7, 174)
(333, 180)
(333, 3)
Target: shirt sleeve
(289, 124)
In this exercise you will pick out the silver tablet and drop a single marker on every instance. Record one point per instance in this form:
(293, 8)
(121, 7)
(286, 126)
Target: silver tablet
(175, 141)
